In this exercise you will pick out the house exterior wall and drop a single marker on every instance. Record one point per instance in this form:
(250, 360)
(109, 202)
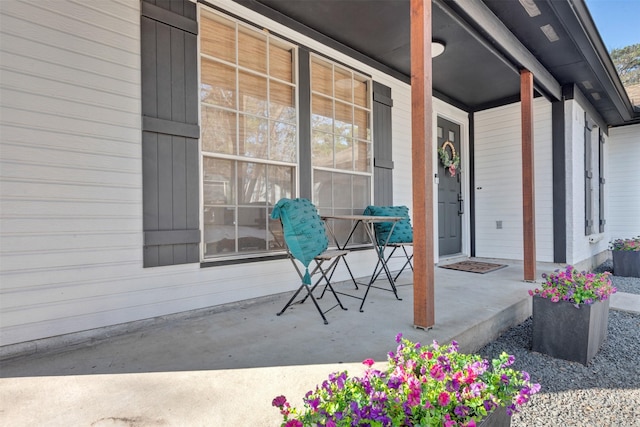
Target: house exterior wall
(623, 182)
(71, 194)
(583, 251)
(498, 182)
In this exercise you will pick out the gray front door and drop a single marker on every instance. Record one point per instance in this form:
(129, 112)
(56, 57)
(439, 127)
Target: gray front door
(450, 205)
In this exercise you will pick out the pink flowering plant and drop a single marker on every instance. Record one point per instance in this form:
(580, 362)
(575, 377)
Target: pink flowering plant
(575, 287)
(632, 244)
(421, 386)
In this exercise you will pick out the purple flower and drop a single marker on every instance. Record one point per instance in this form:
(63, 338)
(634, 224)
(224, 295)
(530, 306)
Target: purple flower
(477, 388)
(279, 401)
(453, 385)
(437, 373)
(489, 405)
(461, 411)
(510, 359)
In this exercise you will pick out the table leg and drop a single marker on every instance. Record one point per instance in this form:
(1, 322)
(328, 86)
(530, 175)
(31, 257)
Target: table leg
(381, 261)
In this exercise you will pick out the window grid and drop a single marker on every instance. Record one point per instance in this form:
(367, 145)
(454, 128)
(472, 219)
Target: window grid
(237, 221)
(327, 172)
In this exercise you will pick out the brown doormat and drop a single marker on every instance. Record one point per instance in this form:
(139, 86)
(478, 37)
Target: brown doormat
(474, 266)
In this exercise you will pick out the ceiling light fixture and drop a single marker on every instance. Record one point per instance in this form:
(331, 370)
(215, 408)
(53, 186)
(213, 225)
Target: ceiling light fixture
(550, 33)
(437, 47)
(530, 7)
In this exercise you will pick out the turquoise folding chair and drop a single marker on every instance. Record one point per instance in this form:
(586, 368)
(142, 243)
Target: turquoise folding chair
(400, 237)
(306, 241)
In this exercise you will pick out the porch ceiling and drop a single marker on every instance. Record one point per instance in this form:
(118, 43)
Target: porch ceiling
(478, 69)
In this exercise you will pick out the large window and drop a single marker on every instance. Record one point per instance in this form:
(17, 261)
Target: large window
(248, 134)
(249, 117)
(341, 149)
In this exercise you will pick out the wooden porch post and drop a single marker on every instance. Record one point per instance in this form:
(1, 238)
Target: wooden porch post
(528, 181)
(422, 164)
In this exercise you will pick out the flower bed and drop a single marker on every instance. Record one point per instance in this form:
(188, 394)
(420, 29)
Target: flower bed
(559, 329)
(422, 386)
(626, 257)
(575, 287)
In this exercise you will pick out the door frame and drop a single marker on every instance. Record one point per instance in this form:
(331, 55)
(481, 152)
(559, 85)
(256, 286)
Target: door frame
(461, 118)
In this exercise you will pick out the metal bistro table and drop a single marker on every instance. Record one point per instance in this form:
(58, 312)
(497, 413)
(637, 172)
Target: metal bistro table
(368, 222)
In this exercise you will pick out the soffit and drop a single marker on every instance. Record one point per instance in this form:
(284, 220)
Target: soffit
(474, 72)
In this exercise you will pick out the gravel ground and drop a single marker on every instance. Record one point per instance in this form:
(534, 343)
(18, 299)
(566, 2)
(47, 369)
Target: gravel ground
(604, 393)
(630, 285)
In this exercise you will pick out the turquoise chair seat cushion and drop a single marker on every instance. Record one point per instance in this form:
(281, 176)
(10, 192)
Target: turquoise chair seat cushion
(303, 229)
(402, 232)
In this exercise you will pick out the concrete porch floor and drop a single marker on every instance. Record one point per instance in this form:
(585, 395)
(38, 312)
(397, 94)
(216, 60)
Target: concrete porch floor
(225, 367)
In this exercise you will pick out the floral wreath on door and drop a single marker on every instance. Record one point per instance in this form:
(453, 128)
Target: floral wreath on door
(449, 161)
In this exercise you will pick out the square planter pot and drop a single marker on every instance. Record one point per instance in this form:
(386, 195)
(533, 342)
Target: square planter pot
(565, 332)
(626, 263)
(497, 418)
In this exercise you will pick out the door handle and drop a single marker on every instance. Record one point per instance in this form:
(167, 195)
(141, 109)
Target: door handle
(460, 204)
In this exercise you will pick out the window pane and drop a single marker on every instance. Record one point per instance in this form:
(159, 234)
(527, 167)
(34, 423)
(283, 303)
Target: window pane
(218, 130)
(219, 231)
(362, 124)
(361, 91)
(253, 94)
(218, 216)
(282, 102)
(283, 146)
(344, 153)
(362, 154)
(343, 84)
(342, 197)
(321, 78)
(322, 189)
(322, 149)
(252, 229)
(361, 199)
(280, 183)
(218, 181)
(218, 37)
(321, 114)
(218, 85)
(252, 49)
(281, 62)
(361, 192)
(344, 119)
(253, 137)
(252, 183)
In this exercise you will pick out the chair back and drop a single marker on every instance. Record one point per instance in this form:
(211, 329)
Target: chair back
(402, 232)
(303, 229)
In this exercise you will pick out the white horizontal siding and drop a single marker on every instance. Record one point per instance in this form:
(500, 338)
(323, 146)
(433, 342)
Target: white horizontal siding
(623, 182)
(71, 221)
(498, 182)
(582, 249)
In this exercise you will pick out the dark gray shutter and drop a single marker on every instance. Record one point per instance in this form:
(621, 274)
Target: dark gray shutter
(382, 156)
(588, 178)
(170, 132)
(601, 175)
